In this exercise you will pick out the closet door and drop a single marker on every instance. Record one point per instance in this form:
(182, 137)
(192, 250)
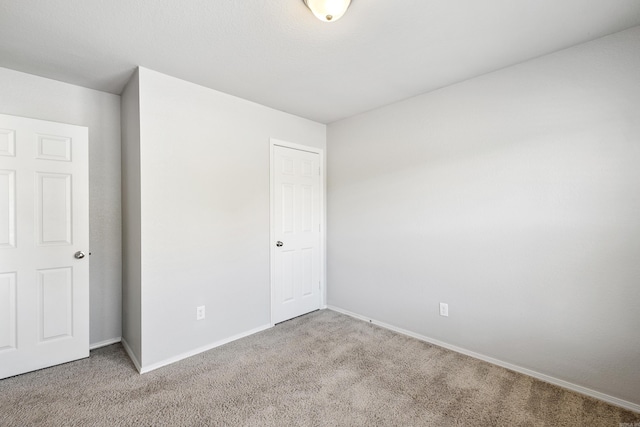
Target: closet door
(44, 243)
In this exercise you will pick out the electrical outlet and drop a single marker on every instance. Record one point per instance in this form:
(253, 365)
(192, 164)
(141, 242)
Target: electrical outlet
(444, 309)
(200, 312)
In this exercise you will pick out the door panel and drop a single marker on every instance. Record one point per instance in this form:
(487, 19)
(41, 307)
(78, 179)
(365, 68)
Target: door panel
(7, 311)
(56, 303)
(7, 208)
(44, 221)
(54, 148)
(53, 207)
(296, 202)
(7, 142)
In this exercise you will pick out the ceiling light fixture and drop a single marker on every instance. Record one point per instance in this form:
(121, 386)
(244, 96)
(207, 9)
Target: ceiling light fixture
(328, 10)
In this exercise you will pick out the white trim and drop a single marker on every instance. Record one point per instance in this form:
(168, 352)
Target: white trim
(199, 350)
(323, 218)
(105, 343)
(131, 355)
(546, 378)
(301, 147)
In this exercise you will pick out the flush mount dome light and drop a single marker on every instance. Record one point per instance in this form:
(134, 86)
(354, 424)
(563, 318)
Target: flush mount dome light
(328, 10)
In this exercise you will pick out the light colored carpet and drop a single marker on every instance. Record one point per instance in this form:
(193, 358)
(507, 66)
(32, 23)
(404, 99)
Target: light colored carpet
(322, 369)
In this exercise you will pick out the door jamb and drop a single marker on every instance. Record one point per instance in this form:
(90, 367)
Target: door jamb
(273, 142)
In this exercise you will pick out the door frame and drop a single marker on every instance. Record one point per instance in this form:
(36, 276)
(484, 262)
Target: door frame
(273, 142)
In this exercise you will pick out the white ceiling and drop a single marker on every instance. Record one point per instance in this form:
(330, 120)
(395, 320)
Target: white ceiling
(276, 53)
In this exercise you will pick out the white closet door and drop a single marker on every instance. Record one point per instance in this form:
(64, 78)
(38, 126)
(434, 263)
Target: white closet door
(296, 201)
(44, 240)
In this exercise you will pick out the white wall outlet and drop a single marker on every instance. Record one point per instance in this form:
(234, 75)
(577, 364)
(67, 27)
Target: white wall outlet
(200, 312)
(444, 309)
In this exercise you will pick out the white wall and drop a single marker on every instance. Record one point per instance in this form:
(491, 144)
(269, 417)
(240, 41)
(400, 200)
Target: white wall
(131, 221)
(205, 212)
(39, 98)
(515, 198)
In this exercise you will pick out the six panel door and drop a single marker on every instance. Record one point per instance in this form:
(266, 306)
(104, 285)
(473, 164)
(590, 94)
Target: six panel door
(44, 222)
(296, 201)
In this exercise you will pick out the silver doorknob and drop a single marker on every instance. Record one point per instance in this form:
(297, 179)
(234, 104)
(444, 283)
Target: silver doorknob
(79, 255)
(279, 243)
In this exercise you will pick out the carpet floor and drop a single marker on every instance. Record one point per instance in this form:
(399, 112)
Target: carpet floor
(322, 369)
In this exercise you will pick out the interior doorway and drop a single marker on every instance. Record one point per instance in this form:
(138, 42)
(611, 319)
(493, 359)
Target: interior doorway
(297, 236)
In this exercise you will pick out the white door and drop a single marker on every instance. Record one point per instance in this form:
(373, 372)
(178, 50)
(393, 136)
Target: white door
(296, 231)
(44, 228)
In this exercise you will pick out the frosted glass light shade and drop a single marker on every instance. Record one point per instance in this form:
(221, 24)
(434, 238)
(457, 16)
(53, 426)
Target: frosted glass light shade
(328, 10)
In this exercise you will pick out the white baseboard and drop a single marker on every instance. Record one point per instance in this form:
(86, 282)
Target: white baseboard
(546, 378)
(199, 350)
(105, 343)
(131, 355)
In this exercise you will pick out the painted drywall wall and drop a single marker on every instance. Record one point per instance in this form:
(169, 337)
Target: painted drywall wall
(39, 98)
(205, 212)
(515, 198)
(131, 220)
